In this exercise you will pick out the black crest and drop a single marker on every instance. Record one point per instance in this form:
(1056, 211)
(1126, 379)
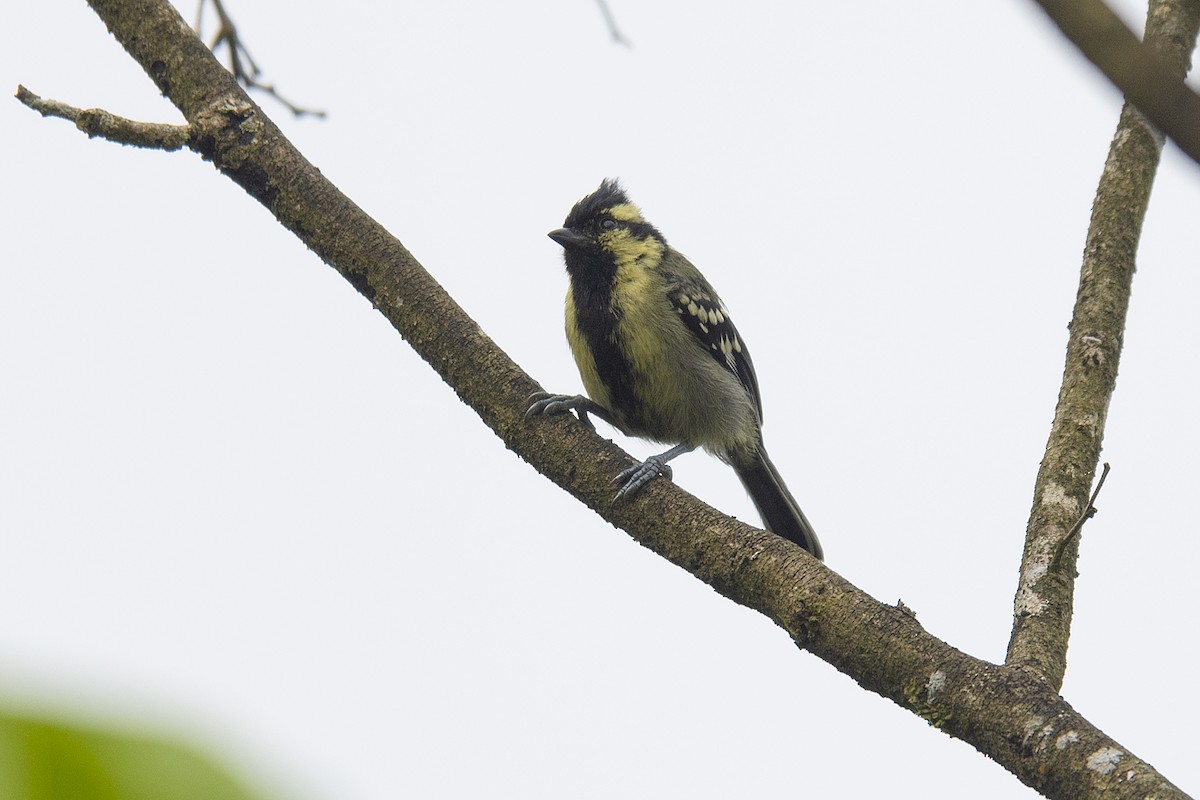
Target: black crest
(608, 195)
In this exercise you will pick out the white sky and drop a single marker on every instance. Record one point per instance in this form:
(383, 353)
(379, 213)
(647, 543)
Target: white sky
(237, 506)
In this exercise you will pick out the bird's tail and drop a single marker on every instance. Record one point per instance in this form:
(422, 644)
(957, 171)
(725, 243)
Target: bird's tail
(780, 513)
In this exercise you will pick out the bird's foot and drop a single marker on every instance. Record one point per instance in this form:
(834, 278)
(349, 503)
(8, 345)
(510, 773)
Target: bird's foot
(550, 403)
(636, 477)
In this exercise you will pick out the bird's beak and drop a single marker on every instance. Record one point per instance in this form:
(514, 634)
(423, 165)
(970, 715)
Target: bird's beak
(568, 237)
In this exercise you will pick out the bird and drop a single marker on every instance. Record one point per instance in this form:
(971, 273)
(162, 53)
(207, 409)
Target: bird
(660, 358)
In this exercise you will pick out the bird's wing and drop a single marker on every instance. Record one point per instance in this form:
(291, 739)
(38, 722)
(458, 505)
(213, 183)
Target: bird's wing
(706, 317)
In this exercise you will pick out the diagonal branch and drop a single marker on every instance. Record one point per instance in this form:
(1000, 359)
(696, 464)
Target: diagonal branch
(1011, 716)
(1045, 596)
(1148, 73)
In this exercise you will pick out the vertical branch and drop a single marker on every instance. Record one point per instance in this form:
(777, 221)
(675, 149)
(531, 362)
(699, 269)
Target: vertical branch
(1043, 604)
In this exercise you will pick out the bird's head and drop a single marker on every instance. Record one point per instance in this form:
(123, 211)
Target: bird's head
(606, 231)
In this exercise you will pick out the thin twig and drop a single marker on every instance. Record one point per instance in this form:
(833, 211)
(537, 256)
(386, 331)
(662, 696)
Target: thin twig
(1087, 514)
(241, 64)
(611, 22)
(96, 122)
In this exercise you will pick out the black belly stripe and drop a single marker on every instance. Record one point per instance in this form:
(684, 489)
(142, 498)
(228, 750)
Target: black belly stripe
(598, 320)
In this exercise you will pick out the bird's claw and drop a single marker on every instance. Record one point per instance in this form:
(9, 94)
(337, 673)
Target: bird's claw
(632, 480)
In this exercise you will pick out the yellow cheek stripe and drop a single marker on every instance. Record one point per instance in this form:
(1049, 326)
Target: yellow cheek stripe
(632, 254)
(626, 212)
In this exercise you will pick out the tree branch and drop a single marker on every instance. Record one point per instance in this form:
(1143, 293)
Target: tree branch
(1149, 74)
(1011, 716)
(97, 122)
(1043, 604)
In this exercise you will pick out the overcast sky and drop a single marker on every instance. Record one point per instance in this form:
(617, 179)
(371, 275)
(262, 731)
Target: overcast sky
(237, 507)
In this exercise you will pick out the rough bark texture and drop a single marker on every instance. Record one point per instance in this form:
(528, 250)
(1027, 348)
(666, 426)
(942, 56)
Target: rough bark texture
(1010, 715)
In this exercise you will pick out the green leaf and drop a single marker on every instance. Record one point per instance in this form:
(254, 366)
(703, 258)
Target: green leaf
(43, 760)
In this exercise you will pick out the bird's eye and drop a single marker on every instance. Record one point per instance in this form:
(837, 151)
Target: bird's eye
(608, 224)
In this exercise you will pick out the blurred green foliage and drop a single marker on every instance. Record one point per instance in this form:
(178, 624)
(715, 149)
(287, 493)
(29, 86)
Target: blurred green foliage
(44, 760)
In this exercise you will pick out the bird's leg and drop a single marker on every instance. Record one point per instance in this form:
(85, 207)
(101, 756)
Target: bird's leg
(633, 479)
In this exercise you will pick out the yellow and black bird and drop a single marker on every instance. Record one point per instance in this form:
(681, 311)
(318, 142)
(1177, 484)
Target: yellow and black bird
(659, 356)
